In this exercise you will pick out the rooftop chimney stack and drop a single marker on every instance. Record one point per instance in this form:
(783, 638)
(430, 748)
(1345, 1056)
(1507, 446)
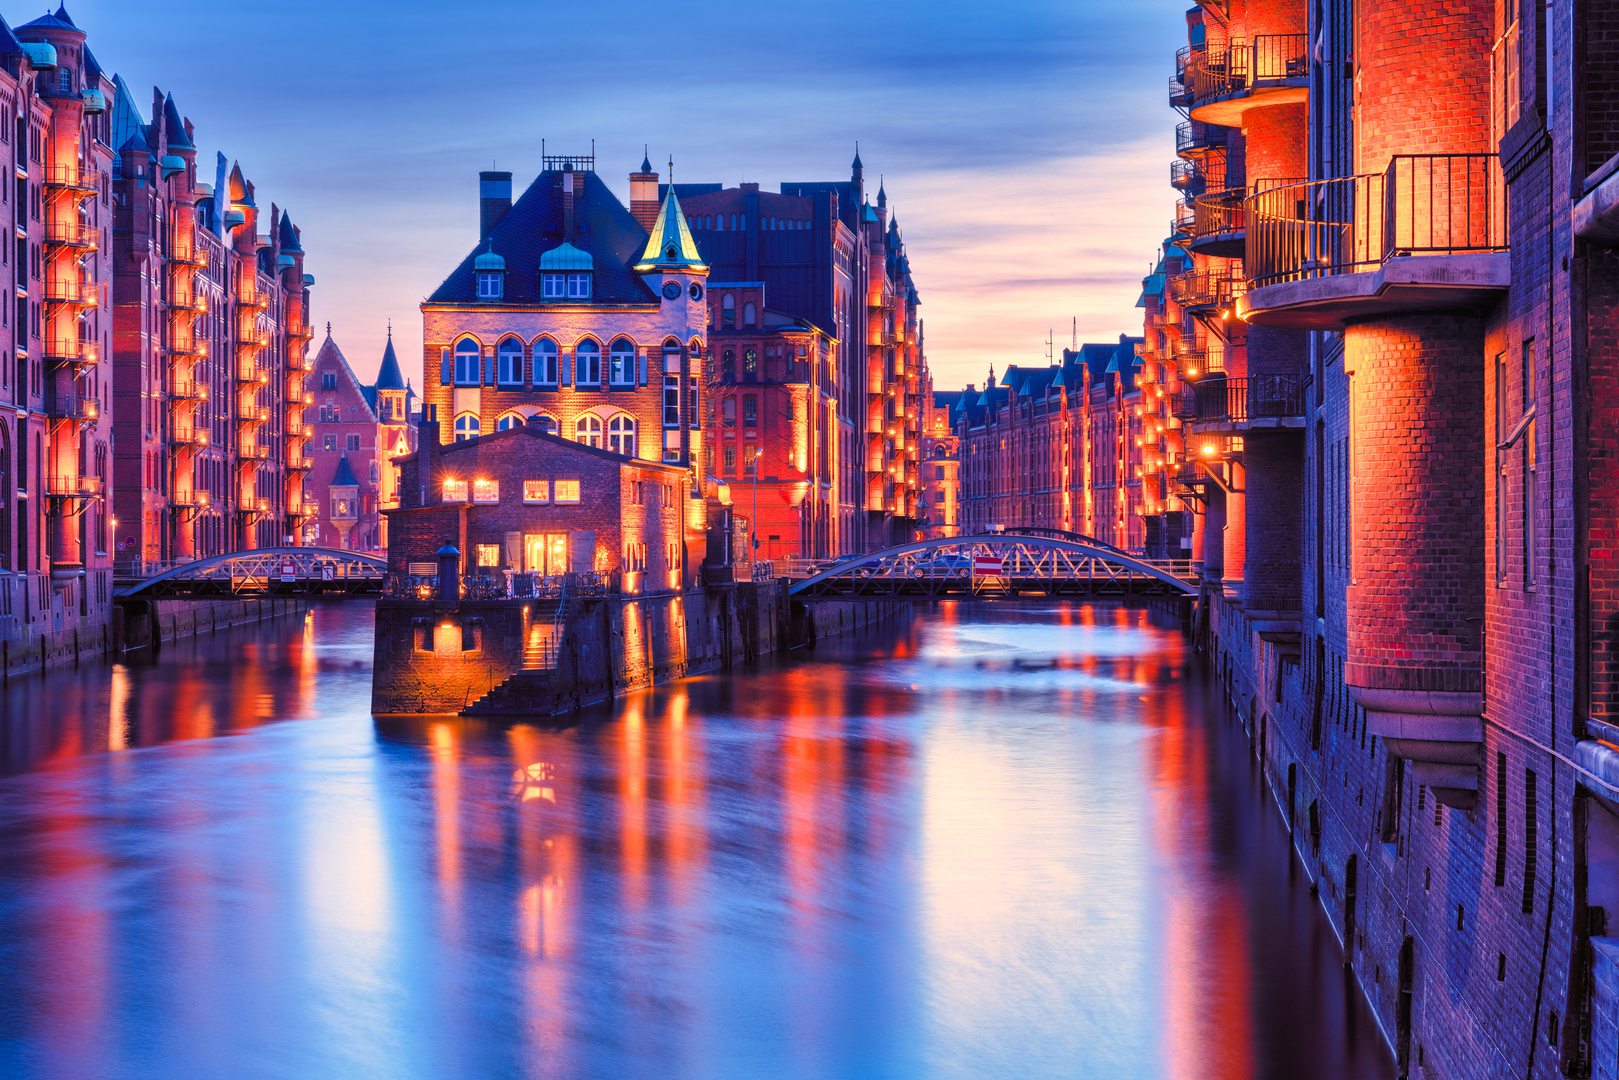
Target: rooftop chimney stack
(644, 195)
(494, 199)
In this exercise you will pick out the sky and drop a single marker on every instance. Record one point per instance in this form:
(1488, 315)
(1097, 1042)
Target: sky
(1024, 147)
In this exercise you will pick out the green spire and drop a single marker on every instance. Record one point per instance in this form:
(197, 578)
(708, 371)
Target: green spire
(670, 246)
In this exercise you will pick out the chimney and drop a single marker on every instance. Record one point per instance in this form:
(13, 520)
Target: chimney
(427, 450)
(494, 199)
(644, 195)
(569, 182)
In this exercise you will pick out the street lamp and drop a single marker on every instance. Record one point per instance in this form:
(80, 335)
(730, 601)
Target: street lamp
(753, 525)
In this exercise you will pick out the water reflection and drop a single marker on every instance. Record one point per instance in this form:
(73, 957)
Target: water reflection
(996, 842)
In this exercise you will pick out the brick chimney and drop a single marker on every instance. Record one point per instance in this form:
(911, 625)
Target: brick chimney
(644, 195)
(494, 199)
(427, 451)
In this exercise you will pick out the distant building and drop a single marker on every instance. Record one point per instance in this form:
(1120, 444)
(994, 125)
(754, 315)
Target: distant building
(940, 502)
(350, 448)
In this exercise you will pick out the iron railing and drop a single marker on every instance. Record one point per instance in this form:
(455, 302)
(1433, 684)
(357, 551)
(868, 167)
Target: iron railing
(71, 406)
(1194, 137)
(1195, 289)
(1228, 69)
(1422, 204)
(1270, 396)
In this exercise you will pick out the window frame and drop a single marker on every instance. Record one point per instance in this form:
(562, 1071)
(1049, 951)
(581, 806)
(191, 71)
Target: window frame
(546, 362)
(622, 430)
(507, 373)
(621, 352)
(593, 354)
(464, 356)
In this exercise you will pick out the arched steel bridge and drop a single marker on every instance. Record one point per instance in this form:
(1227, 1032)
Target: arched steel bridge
(282, 571)
(1035, 561)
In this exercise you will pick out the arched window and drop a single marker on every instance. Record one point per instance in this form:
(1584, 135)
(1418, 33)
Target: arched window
(466, 426)
(588, 430)
(748, 313)
(545, 423)
(545, 362)
(509, 421)
(621, 434)
(621, 370)
(466, 362)
(588, 356)
(708, 222)
(510, 368)
(728, 319)
(938, 451)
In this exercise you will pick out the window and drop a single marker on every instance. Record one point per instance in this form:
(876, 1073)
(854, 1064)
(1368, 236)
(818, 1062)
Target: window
(588, 430)
(545, 362)
(455, 491)
(485, 491)
(567, 491)
(750, 362)
(328, 442)
(467, 354)
(671, 401)
(509, 421)
(728, 312)
(509, 370)
(536, 491)
(328, 380)
(730, 363)
(938, 472)
(553, 286)
(749, 312)
(728, 412)
(489, 286)
(693, 411)
(488, 554)
(621, 370)
(578, 286)
(730, 458)
(750, 410)
(621, 434)
(354, 443)
(466, 426)
(750, 458)
(588, 363)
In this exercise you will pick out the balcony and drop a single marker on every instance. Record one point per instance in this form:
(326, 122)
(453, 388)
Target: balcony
(1219, 224)
(254, 508)
(187, 301)
(253, 296)
(70, 292)
(256, 415)
(1227, 80)
(72, 178)
(1426, 234)
(188, 436)
(1194, 138)
(183, 250)
(1219, 404)
(299, 463)
(73, 487)
(72, 406)
(72, 234)
(64, 352)
(256, 340)
(249, 372)
(1204, 290)
(300, 363)
(251, 455)
(189, 500)
(188, 390)
(185, 343)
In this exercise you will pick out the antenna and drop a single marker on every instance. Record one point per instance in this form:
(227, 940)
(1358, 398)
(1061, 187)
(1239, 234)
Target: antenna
(1076, 333)
(671, 172)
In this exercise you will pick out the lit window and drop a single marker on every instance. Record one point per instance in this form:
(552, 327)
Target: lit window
(467, 356)
(466, 426)
(621, 370)
(489, 286)
(545, 362)
(328, 442)
(621, 434)
(510, 368)
(567, 491)
(553, 286)
(536, 491)
(488, 554)
(750, 458)
(578, 286)
(486, 491)
(730, 458)
(750, 362)
(588, 430)
(455, 491)
(588, 363)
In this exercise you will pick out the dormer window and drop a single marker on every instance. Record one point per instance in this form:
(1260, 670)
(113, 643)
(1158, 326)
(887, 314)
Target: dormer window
(578, 286)
(565, 273)
(489, 286)
(491, 271)
(565, 286)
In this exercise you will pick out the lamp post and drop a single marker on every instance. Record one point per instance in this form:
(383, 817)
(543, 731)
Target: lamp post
(753, 525)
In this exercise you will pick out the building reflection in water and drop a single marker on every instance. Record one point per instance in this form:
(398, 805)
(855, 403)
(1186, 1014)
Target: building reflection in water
(993, 841)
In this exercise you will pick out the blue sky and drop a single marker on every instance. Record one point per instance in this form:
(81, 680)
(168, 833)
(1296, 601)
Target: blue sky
(1025, 147)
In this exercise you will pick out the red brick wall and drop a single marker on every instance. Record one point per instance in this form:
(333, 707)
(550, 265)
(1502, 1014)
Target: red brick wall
(1423, 75)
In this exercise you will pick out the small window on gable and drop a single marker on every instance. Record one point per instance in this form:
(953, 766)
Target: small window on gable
(536, 491)
(578, 286)
(489, 286)
(567, 491)
(553, 286)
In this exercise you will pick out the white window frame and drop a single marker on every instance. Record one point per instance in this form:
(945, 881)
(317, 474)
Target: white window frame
(621, 435)
(508, 372)
(553, 286)
(587, 430)
(621, 363)
(579, 286)
(468, 361)
(587, 352)
(489, 285)
(545, 362)
(467, 426)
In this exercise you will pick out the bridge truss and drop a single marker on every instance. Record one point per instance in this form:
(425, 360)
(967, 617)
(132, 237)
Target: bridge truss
(285, 571)
(1038, 562)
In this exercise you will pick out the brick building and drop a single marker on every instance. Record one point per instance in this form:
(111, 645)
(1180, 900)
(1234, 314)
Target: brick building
(210, 326)
(526, 501)
(940, 502)
(358, 431)
(823, 255)
(571, 316)
(1397, 444)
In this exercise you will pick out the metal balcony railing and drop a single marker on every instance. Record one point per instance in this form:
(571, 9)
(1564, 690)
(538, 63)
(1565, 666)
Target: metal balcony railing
(70, 178)
(188, 390)
(1241, 400)
(65, 291)
(1422, 204)
(188, 436)
(71, 406)
(1194, 137)
(249, 372)
(74, 234)
(68, 351)
(1228, 69)
(1219, 213)
(187, 301)
(73, 487)
(1197, 289)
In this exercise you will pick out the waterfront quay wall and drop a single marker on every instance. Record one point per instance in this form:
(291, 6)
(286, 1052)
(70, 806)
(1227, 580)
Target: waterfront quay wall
(535, 657)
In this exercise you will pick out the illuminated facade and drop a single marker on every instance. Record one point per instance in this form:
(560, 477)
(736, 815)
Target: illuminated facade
(1398, 450)
(941, 466)
(210, 336)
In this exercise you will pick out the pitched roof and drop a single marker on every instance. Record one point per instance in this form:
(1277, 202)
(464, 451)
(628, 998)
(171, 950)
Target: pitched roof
(670, 246)
(344, 476)
(289, 234)
(58, 21)
(533, 431)
(173, 127)
(389, 377)
(329, 351)
(10, 44)
(603, 228)
(127, 121)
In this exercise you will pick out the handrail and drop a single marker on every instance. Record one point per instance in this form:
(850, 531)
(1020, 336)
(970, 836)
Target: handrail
(1228, 69)
(1421, 204)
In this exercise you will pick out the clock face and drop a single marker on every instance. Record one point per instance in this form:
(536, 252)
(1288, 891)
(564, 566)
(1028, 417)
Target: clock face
(671, 290)
(696, 291)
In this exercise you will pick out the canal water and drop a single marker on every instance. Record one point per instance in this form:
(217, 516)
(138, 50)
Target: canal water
(993, 841)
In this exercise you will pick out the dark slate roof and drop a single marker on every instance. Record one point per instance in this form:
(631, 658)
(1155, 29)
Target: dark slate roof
(59, 21)
(532, 431)
(344, 476)
(173, 127)
(533, 226)
(370, 395)
(289, 235)
(389, 377)
(8, 40)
